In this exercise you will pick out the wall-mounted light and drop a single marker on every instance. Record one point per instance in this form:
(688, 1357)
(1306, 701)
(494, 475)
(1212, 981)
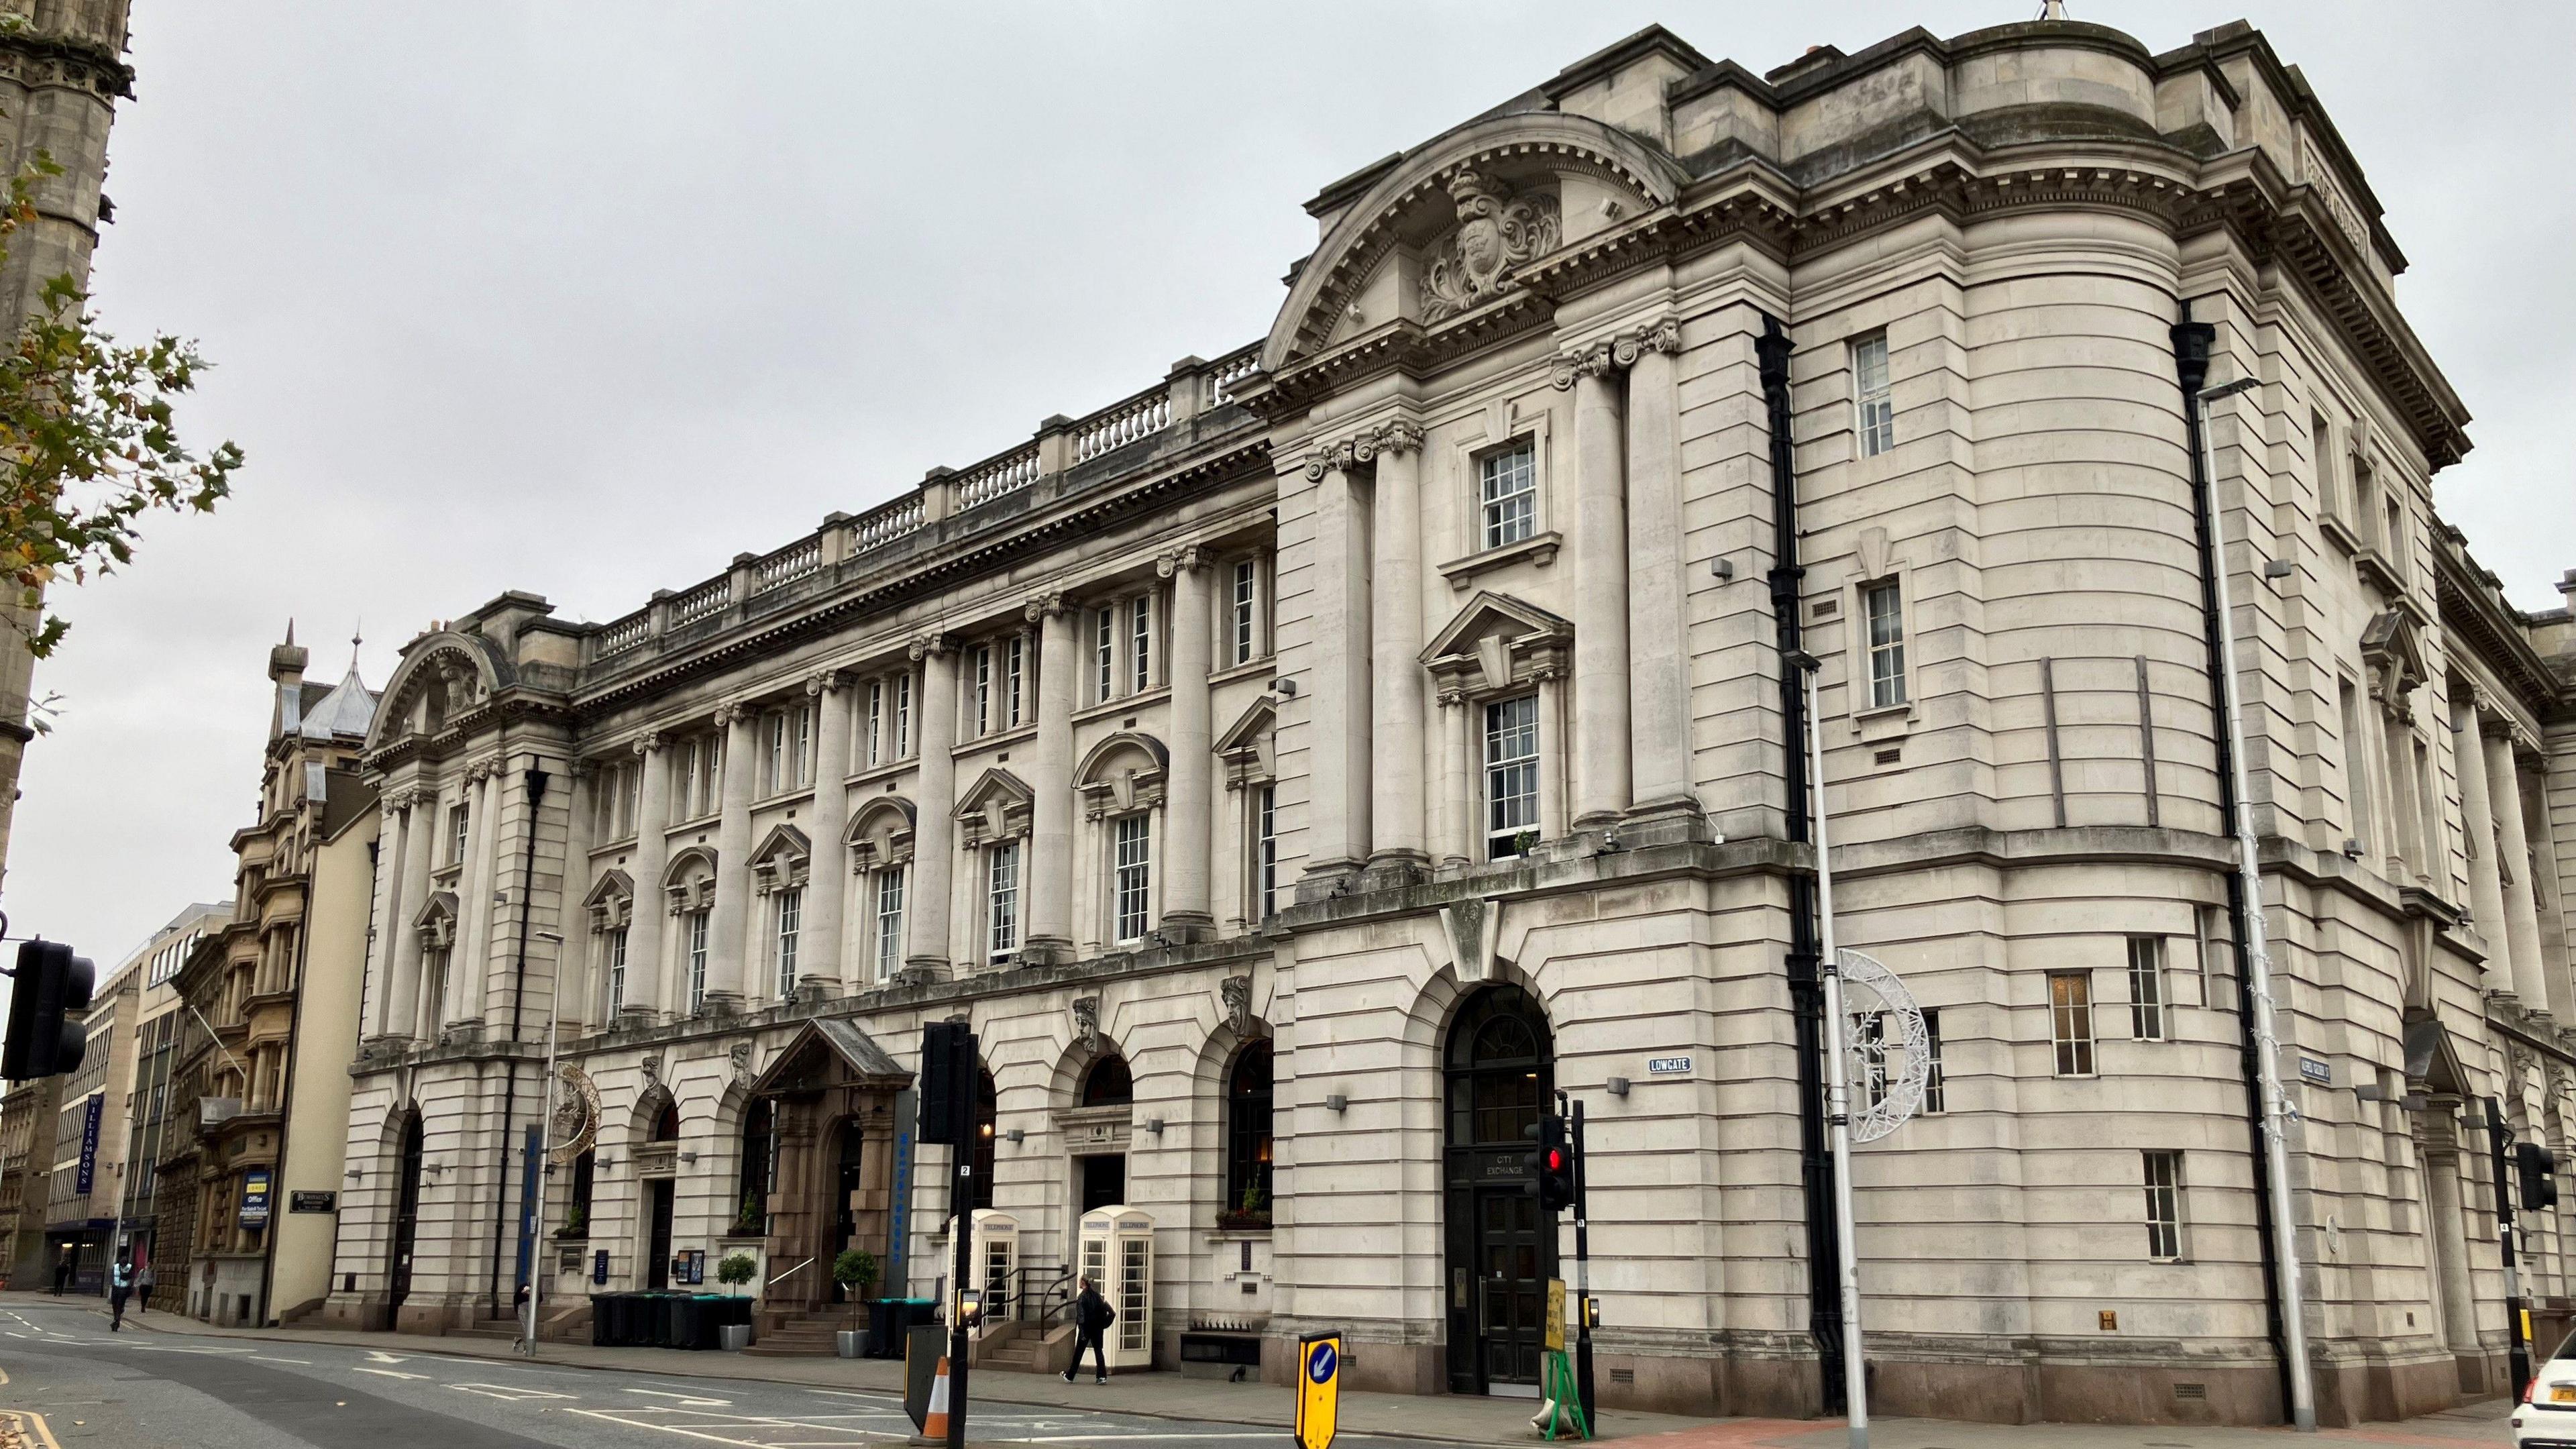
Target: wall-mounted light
(1618, 1086)
(602, 1161)
(354, 1173)
(688, 1157)
(1015, 1136)
(1722, 568)
(2352, 850)
(2278, 568)
(1284, 687)
(1337, 1103)
(1154, 1125)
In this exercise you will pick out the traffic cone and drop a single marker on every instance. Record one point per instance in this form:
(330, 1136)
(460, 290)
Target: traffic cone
(934, 1425)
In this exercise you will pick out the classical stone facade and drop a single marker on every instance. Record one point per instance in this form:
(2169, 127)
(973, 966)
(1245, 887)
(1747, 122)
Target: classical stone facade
(1297, 769)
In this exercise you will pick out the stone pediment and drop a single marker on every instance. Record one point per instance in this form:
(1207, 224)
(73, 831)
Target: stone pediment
(828, 1053)
(1437, 233)
(2393, 652)
(880, 833)
(1496, 641)
(995, 807)
(611, 902)
(1122, 773)
(781, 860)
(690, 880)
(436, 921)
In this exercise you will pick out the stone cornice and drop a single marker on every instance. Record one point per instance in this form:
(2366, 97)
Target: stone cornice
(36, 59)
(2474, 614)
(1091, 509)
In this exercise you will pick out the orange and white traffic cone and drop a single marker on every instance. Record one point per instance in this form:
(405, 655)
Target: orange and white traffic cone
(934, 1425)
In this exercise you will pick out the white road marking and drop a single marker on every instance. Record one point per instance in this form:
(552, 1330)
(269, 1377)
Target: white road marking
(687, 1400)
(388, 1373)
(378, 1355)
(510, 1393)
(261, 1358)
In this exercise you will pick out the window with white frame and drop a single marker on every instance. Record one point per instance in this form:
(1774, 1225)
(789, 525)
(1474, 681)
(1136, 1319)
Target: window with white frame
(1246, 611)
(616, 949)
(1511, 775)
(1104, 656)
(695, 925)
(787, 738)
(614, 786)
(1140, 646)
(1265, 852)
(791, 920)
(459, 831)
(699, 762)
(1873, 402)
(889, 922)
(1132, 841)
(2070, 1021)
(876, 722)
(1869, 1041)
(2147, 988)
(1507, 487)
(1014, 672)
(1883, 609)
(903, 715)
(1002, 900)
(980, 690)
(1935, 1089)
(2163, 1173)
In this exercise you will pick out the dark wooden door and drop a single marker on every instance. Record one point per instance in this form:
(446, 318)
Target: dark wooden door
(1511, 1285)
(657, 1253)
(406, 1216)
(846, 1182)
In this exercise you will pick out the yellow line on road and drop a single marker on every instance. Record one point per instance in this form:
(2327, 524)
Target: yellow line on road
(36, 1422)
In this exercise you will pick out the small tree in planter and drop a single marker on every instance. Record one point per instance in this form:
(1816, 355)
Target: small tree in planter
(736, 1269)
(1252, 1212)
(856, 1271)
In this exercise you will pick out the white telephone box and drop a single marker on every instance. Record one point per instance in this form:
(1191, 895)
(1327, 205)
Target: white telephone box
(997, 1259)
(1116, 1251)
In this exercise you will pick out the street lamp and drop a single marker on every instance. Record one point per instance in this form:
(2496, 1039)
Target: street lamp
(545, 1149)
(2257, 952)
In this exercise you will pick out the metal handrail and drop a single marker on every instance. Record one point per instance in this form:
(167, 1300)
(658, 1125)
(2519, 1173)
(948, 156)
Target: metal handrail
(783, 1277)
(1051, 1290)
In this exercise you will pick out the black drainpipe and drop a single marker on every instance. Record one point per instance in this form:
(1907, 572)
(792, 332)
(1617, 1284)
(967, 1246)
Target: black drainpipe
(1806, 987)
(536, 792)
(2191, 344)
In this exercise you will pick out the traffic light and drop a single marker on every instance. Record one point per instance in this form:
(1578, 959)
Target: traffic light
(46, 1035)
(947, 1082)
(1552, 1165)
(2537, 1167)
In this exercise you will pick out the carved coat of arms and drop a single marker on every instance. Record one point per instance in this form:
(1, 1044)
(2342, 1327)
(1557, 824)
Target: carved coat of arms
(1496, 232)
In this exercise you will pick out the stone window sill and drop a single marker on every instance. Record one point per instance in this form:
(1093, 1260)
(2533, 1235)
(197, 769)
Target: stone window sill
(1539, 548)
(1139, 700)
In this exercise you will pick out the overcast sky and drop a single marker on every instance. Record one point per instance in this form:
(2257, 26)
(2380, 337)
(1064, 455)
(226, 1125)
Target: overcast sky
(584, 299)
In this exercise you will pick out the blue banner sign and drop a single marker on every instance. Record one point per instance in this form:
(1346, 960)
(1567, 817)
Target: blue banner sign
(89, 1142)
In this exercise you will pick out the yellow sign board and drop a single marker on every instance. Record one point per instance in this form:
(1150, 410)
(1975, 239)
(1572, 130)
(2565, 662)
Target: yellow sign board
(1556, 1314)
(1319, 1389)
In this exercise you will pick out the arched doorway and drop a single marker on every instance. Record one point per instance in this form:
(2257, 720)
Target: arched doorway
(1107, 1084)
(1499, 1071)
(406, 1217)
(658, 1205)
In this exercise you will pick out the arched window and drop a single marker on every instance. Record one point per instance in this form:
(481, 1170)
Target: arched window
(1108, 1084)
(987, 1110)
(1501, 1066)
(751, 1191)
(666, 1128)
(1248, 1140)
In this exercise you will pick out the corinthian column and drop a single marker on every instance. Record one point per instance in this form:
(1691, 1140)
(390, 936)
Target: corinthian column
(401, 943)
(641, 1002)
(1187, 911)
(1658, 602)
(829, 881)
(2477, 811)
(1337, 815)
(1600, 589)
(1050, 863)
(2513, 856)
(933, 831)
(728, 914)
(472, 953)
(1396, 757)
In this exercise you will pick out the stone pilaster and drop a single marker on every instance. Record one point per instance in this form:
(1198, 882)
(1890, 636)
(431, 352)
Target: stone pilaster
(2477, 812)
(1600, 547)
(1337, 814)
(1188, 913)
(2513, 856)
(1050, 863)
(728, 915)
(1396, 686)
(1658, 593)
(934, 830)
(470, 960)
(399, 942)
(821, 974)
(644, 993)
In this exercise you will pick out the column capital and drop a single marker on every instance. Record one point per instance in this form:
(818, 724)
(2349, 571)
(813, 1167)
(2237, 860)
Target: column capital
(483, 769)
(1041, 607)
(933, 645)
(648, 743)
(1664, 334)
(1342, 456)
(1182, 560)
(825, 681)
(1401, 436)
(1592, 359)
(731, 712)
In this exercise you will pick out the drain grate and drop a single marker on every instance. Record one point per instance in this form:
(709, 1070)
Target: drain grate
(2191, 1391)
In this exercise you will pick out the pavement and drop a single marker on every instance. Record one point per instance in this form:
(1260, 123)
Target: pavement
(181, 1383)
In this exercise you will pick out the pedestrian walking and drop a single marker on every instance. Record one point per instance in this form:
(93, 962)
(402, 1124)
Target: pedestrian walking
(63, 1272)
(143, 1290)
(120, 1283)
(1092, 1316)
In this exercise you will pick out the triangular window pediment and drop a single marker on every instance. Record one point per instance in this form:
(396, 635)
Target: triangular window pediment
(611, 902)
(1497, 642)
(2393, 651)
(996, 807)
(782, 860)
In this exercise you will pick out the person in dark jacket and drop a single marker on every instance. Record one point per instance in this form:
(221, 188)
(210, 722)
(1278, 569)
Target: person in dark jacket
(1092, 1316)
(63, 1270)
(120, 1284)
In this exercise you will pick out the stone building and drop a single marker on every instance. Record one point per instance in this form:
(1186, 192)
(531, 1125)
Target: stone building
(1299, 768)
(248, 1180)
(147, 1126)
(28, 1114)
